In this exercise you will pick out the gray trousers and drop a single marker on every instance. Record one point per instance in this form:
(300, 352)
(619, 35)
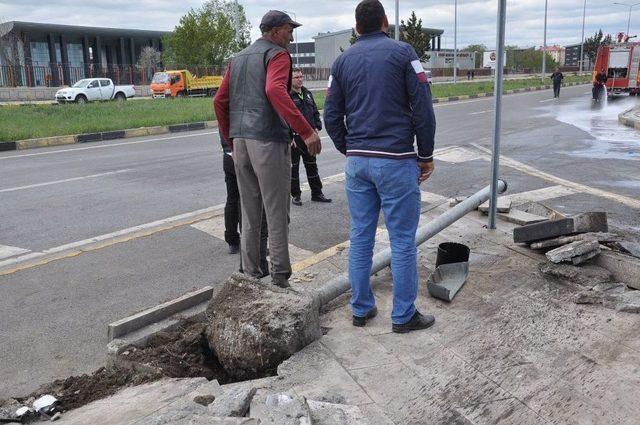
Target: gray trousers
(263, 170)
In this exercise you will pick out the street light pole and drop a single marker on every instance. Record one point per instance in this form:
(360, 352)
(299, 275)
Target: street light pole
(295, 18)
(630, 6)
(455, 41)
(544, 46)
(397, 31)
(497, 124)
(584, 14)
(237, 21)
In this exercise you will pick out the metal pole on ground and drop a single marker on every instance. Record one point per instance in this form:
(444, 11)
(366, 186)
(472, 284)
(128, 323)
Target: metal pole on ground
(544, 46)
(495, 157)
(397, 29)
(340, 284)
(584, 14)
(455, 41)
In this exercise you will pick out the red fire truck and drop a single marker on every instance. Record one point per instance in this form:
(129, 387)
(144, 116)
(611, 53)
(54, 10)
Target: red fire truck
(621, 62)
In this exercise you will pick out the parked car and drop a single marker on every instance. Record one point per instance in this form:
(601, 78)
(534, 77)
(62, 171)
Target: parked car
(93, 89)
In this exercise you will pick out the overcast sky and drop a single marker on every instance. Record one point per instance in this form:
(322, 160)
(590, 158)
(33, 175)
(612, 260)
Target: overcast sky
(476, 18)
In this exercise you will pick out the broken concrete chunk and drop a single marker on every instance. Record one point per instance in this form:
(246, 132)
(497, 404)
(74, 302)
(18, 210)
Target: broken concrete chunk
(563, 240)
(632, 248)
(584, 257)
(582, 223)
(627, 302)
(233, 402)
(455, 201)
(610, 288)
(521, 218)
(578, 249)
(504, 205)
(624, 268)
(281, 409)
(323, 413)
(587, 276)
(588, 297)
(256, 326)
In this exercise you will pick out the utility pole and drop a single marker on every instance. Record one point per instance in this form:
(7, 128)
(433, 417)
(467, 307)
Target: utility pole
(236, 21)
(455, 41)
(495, 156)
(544, 47)
(630, 6)
(584, 14)
(397, 31)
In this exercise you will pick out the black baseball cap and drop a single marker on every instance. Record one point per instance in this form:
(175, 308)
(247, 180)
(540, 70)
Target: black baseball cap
(276, 18)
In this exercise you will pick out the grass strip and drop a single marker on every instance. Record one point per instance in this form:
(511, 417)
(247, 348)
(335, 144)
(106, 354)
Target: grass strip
(33, 121)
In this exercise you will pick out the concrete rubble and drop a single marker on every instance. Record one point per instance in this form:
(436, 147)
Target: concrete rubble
(563, 240)
(255, 326)
(582, 223)
(575, 252)
(281, 409)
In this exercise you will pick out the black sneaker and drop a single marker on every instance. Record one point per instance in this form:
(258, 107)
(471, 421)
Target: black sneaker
(234, 248)
(320, 198)
(417, 322)
(296, 201)
(361, 321)
(282, 283)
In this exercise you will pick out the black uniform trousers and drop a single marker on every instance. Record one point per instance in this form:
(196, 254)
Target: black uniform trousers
(297, 152)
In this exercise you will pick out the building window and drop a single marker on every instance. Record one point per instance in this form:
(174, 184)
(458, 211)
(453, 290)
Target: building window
(39, 53)
(74, 54)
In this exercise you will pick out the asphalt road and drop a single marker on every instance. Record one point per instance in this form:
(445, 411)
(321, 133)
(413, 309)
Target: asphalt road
(53, 316)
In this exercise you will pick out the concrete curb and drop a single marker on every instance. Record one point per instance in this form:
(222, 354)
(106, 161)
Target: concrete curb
(475, 96)
(105, 135)
(630, 118)
(158, 313)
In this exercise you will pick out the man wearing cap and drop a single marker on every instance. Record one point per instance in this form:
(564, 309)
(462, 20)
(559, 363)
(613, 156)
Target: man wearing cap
(379, 86)
(256, 115)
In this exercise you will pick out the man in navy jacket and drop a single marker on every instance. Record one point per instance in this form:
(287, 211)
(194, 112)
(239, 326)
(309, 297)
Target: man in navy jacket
(378, 102)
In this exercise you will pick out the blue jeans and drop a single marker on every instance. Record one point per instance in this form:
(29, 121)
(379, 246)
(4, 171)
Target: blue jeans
(390, 184)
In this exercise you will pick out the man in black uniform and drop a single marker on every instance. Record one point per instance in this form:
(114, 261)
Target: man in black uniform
(599, 87)
(557, 78)
(303, 100)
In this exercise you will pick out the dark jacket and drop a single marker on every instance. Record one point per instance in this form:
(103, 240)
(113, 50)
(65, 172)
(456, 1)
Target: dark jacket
(601, 78)
(307, 105)
(380, 87)
(251, 115)
(557, 77)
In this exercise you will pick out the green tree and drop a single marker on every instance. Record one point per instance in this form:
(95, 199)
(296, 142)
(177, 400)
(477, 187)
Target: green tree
(207, 36)
(411, 32)
(529, 59)
(354, 36)
(480, 49)
(592, 44)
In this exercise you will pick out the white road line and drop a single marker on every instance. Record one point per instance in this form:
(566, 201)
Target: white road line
(120, 233)
(547, 100)
(73, 179)
(10, 251)
(109, 145)
(578, 187)
(432, 198)
(457, 155)
(481, 112)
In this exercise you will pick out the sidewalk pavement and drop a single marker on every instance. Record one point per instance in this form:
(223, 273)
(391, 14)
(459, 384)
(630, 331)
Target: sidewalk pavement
(511, 348)
(631, 118)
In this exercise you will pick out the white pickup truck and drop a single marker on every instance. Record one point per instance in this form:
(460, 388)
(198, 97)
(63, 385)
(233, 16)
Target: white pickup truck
(92, 89)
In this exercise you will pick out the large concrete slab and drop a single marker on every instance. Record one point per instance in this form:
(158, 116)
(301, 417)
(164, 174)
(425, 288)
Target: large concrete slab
(582, 223)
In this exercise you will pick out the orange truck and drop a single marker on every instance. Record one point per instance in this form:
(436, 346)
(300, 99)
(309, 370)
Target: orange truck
(621, 62)
(181, 83)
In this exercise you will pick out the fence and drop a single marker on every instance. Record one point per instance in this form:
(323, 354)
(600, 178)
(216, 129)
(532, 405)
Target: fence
(56, 75)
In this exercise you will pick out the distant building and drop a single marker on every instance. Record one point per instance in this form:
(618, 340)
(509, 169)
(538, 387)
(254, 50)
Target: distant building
(303, 54)
(572, 56)
(557, 53)
(53, 54)
(445, 58)
(329, 45)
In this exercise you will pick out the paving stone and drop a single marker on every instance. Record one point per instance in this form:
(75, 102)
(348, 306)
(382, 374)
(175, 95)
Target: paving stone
(563, 240)
(582, 223)
(624, 268)
(504, 205)
(575, 249)
(281, 409)
(521, 218)
(232, 402)
(628, 302)
(323, 413)
(587, 275)
(632, 248)
(510, 410)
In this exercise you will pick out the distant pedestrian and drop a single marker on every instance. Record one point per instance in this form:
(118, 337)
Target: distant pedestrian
(473, 74)
(255, 114)
(232, 208)
(468, 75)
(304, 101)
(557, 78)
(373, 114)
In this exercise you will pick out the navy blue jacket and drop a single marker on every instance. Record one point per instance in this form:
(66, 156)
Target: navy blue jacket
(379, 85)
